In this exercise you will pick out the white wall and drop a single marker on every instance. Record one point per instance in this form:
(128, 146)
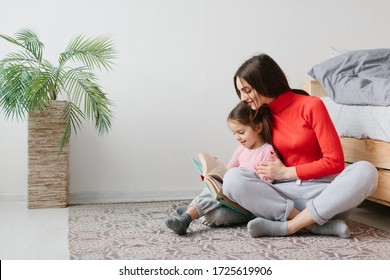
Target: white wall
(172, 84)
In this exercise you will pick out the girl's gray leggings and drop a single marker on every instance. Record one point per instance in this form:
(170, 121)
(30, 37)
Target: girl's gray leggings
(325, 198)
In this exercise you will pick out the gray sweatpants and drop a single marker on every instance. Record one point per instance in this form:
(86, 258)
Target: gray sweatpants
(216, 214)
(325, 198)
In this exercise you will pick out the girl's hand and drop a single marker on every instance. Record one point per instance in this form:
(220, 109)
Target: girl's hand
(275, 169)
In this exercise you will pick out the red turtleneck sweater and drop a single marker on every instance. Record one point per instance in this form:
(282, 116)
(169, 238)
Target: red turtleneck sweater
(305, 136)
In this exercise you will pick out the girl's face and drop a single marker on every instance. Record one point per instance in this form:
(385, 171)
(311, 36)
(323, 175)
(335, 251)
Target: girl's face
(250, 95)
(248, 136)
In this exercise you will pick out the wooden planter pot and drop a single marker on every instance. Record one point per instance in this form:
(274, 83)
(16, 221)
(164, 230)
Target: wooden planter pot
(48, 170)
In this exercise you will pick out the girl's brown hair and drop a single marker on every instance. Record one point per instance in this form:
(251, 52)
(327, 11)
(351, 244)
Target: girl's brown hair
(243, 114)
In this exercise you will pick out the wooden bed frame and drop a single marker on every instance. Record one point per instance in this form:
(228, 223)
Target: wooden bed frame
(375, 151)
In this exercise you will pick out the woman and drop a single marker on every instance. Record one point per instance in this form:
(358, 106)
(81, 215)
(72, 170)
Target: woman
(311, 189)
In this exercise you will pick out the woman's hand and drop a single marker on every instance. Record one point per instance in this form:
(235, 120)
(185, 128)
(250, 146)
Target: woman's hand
(275, 169)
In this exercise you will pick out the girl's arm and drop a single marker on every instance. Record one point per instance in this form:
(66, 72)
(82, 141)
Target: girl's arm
(234, 159)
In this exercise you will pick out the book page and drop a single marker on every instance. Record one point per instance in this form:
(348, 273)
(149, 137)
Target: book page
(218, 173)
(214, 186)
(209, 162)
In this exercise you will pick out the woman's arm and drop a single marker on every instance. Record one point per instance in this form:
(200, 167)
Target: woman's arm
(309, 143)
(331, 160)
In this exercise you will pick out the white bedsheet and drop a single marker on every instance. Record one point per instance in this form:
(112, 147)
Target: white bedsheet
(360, 121)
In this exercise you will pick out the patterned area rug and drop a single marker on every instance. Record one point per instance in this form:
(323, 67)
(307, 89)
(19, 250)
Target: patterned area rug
(137, 231)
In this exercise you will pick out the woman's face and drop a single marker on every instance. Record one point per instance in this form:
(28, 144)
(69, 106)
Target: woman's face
(250, 95)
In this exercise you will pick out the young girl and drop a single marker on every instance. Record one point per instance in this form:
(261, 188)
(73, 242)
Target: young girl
(253, 130)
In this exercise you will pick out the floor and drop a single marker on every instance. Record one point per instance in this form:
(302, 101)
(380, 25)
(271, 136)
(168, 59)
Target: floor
(33, 234)
(41, 234)
(373, 214)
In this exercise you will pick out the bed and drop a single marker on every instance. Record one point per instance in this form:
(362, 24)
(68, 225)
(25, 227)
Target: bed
(358, 138)
(355, 88)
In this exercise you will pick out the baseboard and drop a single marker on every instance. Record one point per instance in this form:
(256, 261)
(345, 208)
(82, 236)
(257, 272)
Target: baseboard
(85, 197)
(123, 197)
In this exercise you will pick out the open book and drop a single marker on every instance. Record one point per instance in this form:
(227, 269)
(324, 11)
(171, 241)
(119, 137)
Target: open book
(212, 170)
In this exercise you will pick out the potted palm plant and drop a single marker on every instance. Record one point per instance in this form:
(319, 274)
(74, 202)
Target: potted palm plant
(56, 99)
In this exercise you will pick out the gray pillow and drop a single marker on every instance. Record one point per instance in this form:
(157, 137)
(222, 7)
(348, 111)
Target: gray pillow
(359, 77)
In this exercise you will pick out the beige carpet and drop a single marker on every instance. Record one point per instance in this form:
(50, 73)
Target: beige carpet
(137, 231)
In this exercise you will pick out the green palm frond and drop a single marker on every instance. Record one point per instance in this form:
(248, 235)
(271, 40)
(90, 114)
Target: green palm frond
(28, 82)
(23, 57)
(28, 38)
(95, 53)
(13, 84)
(73, 117)
(11, 40)
(97, 107)
(39, 90)
(83, 89)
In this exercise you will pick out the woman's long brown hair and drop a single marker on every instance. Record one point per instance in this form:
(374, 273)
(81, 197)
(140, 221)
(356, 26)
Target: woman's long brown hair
(264, 75)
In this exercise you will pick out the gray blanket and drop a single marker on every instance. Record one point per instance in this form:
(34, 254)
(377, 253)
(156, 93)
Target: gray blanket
(357, 77)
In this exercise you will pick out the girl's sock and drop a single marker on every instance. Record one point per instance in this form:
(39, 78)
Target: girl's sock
(179, 224)
(181, 210)
(262, 227)
(333, 227)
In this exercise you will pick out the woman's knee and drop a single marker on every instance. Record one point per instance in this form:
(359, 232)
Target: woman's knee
(233, 180)
(368, 169)
(239, 184)
(367, 173)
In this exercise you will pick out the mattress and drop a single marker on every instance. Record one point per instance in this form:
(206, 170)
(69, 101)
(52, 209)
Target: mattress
(360, 121)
